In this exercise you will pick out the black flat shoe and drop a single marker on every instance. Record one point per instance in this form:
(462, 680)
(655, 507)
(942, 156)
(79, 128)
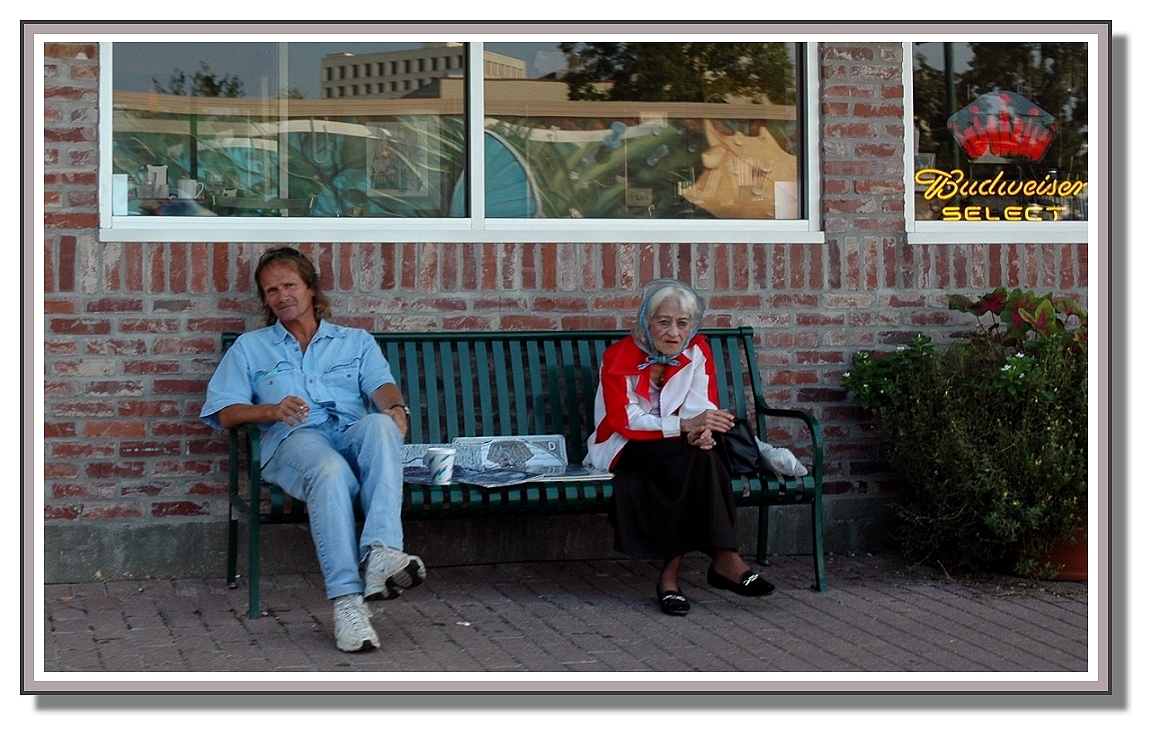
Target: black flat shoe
(672, 602)
(750, 584)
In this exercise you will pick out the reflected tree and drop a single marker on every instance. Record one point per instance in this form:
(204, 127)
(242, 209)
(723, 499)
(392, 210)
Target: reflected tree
(1052, 75)
(686, 72)
(204, 82)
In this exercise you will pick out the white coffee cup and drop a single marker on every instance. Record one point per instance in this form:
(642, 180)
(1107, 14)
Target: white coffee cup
(189, 188)
(439, 461)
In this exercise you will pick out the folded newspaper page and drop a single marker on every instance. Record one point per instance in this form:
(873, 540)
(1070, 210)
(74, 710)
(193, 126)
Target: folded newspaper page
(501, 461)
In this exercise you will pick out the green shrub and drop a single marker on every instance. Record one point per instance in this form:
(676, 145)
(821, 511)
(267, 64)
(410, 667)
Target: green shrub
(989, 432)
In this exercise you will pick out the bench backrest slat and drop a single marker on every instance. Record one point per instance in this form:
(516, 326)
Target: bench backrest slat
(506, 383)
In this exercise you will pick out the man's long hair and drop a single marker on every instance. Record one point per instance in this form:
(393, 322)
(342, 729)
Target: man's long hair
(293, 259)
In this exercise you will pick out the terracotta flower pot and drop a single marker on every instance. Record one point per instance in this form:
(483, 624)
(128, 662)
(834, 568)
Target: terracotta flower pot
(1071, 553)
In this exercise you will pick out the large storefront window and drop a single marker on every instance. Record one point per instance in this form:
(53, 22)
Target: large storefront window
(287, 129)
(685, 130)
(1001, 132)
(642, 130)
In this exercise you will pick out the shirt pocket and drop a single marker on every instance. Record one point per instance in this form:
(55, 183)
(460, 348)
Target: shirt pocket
(275, 383)
(342, 378)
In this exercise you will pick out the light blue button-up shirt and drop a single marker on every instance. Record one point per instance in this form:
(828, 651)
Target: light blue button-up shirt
(336, 375)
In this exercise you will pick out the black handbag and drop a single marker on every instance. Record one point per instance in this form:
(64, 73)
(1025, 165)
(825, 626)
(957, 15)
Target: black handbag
(738, 448)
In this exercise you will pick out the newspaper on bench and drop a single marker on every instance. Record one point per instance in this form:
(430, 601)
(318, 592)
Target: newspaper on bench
(502, 461)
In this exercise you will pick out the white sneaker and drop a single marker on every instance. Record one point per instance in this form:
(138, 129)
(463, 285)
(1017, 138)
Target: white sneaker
(390, 571)
(353, 629)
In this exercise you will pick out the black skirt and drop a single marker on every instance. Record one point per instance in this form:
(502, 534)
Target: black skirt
(671, 498)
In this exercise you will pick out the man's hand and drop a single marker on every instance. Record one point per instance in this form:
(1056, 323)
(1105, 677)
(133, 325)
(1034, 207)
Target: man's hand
(400, 417)
(388, 400)
(293, 411)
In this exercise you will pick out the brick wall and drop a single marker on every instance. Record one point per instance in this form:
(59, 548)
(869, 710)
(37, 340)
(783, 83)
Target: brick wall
(132, 330)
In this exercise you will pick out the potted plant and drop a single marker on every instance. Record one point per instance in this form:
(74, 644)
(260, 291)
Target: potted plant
(990, 433)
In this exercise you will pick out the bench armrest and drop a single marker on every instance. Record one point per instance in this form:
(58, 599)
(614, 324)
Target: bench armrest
(809, 420)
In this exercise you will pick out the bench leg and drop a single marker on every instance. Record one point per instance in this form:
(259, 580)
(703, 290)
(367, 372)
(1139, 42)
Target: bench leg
(762, 536)
(233, 529)
(253, 569)
(818, 543)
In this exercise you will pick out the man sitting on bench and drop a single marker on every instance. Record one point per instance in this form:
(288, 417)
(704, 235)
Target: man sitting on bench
(309, 385)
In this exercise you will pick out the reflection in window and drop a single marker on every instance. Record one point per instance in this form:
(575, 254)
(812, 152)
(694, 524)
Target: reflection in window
(641, 130)
(215, 129)
(1001, 131)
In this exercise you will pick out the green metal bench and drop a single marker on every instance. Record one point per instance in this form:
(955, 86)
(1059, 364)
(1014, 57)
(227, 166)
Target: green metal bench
(509, 383)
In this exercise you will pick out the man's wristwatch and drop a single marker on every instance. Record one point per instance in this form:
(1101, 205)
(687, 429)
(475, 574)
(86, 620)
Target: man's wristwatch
(407, 412)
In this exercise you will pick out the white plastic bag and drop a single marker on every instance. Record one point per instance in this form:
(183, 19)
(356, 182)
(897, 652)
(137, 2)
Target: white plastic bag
(780, 460)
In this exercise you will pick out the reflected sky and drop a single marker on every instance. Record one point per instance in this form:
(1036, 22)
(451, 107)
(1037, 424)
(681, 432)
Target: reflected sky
(135, 65)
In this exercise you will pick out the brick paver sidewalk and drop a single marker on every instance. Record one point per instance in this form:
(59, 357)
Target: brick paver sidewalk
(582, 616)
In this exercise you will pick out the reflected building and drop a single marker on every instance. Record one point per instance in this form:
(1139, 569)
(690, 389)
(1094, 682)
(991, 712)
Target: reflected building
(396, 74)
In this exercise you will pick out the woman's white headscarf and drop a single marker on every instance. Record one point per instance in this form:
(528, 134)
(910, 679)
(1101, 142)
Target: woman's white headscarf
(653, 295)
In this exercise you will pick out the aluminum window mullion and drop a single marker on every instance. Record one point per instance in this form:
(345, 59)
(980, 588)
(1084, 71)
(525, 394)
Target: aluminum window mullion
(104, 147)
(474, 120)
(810, 107)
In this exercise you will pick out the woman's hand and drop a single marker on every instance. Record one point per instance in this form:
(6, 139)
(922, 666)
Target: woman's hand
(712, 420)
(701, 438)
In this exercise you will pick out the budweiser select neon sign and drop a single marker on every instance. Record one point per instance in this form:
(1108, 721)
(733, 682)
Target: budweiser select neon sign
(944, 186)
(1001, 125)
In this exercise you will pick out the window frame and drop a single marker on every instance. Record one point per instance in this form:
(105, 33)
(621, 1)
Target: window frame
(989, 232)
(476, 227)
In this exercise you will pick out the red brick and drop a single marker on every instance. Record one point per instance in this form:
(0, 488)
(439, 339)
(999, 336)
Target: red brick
(202, 447)
(208, 489)
(589, 322)
(114, 470)
(109, 511)
(151, 367)
(148, 408)
(877, 110)
(559, 304)
(82, 408)
(81, 450)
(527, 322)
(59, 306)
(112, 346)
(114, 429)
(165, 386)
(61, 512)
(59, 429)
(115, 304)
(150, 449)
(71, 51)
(163, 468)
(185, 346)
(83, 491)
(71, 221)
(148, 324)
(735, 302)
(470, 323)
(79, 326)
(819, 319)
(114, 388)
(180, 428)
(180, 508)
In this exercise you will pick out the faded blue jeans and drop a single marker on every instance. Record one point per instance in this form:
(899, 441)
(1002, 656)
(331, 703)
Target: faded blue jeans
(328, 469)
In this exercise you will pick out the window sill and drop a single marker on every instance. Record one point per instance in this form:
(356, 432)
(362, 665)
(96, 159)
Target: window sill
(312, 230)
(1056, 232)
